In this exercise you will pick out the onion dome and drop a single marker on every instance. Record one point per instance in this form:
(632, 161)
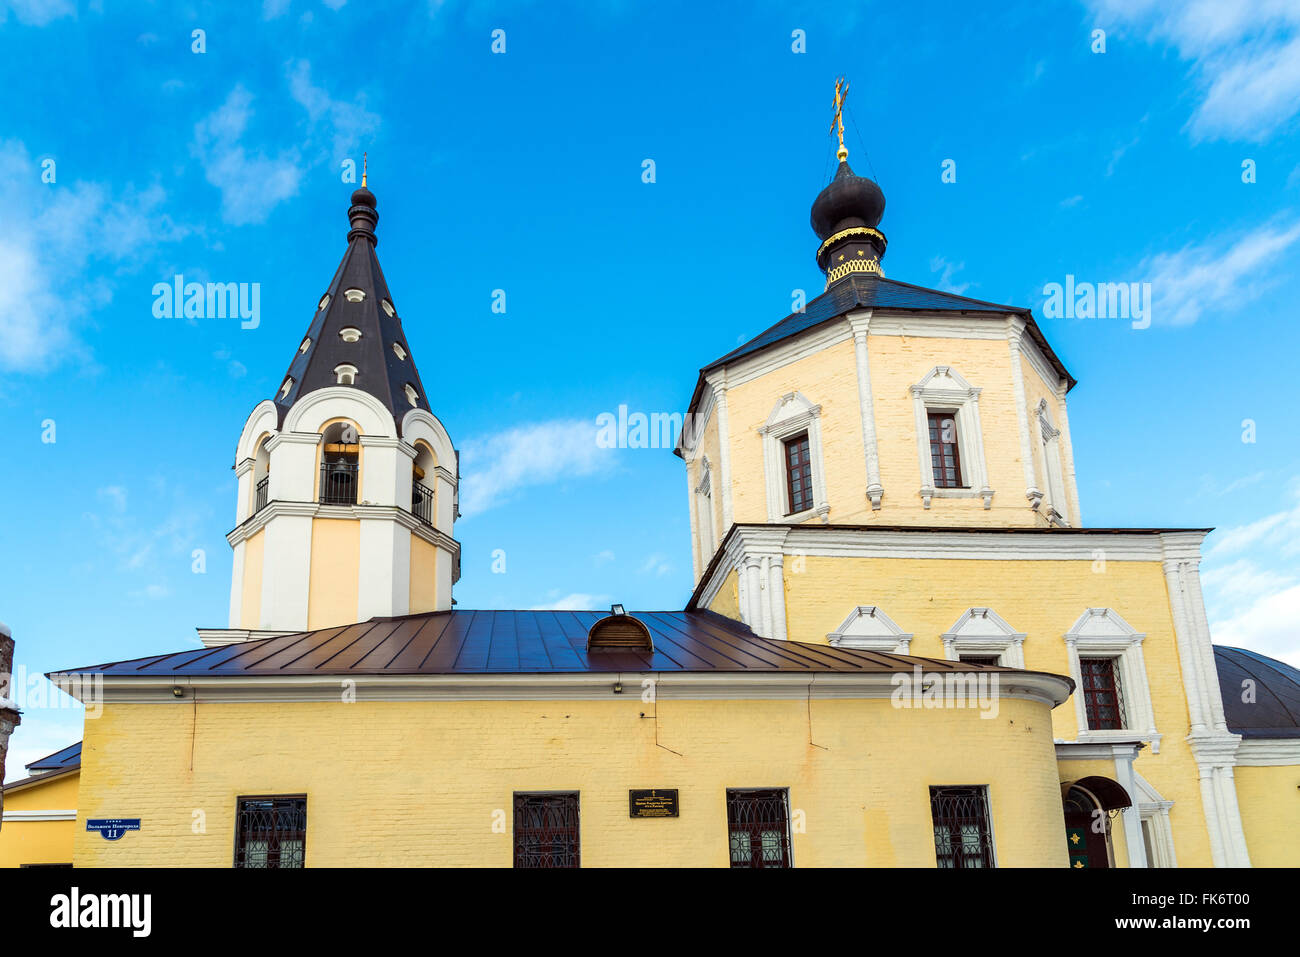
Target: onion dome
(844, 216)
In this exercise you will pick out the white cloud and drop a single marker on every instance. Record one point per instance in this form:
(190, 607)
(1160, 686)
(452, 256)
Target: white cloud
(349, 122)
(37, 13)
(657, 565)
(1245, 56)
(251, 183)
(495, 467)
(1218, 274)
(577, 601)
(45, 291)
(947, 270)
(1251, 579)
(603, 557)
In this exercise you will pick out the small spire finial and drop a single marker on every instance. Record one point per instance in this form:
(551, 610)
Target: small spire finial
(837, 120)
(365, 163)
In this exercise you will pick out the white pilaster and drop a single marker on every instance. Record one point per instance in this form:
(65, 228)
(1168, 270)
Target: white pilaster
(1015, 331)
(859, 322)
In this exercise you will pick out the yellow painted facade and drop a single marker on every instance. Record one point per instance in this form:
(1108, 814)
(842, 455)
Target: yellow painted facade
(430, 783)
(251, 604)
(335, 561)
(424, 575)
(1270, 813)
(40, 842)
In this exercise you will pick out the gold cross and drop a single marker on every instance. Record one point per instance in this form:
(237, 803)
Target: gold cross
(837, 120)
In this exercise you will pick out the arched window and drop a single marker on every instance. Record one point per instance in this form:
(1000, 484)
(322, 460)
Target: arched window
(345, 374)
(340, 464)
(261, 476)
(422, 484)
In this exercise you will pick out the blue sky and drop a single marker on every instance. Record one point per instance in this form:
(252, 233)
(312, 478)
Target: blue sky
(522, 171)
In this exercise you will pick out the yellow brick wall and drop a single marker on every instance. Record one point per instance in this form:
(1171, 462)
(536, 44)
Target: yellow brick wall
(1269, 798)
(419, 783)
(727, 600)
(39, 842)
(829, 379)
(1042, 599)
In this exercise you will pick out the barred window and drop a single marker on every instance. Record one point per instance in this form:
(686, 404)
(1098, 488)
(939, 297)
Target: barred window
(271, 831)
(962, 838)
(1102, 697)
(546, 830)
(980, 659)
(943, 450)
(759, 826)
(798, 473)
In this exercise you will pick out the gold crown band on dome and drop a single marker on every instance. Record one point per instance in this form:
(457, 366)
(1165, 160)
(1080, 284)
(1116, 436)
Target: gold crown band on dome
(851, 231)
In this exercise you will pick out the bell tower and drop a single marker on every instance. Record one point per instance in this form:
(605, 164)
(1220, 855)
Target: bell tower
(347, 481)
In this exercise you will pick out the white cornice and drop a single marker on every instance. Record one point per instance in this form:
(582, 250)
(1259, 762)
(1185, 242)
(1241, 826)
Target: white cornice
(216, 637)
(15, 817)
(1044, 688)
(1268, 752)
(314, 509)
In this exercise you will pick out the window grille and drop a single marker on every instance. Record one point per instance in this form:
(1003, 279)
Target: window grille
(962, 838)
(270, 832)
(758, 823)
(546, 830)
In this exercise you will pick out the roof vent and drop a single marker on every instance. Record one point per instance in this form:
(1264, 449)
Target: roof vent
(349, 333)
(620, 632)
(354, 295)
(324, 301)
(388, 307)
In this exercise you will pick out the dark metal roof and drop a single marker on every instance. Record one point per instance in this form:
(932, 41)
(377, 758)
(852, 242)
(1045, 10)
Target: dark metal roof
(380, 371)
(516, 642)
(869, 291)
(1275, 712)
(69, 757)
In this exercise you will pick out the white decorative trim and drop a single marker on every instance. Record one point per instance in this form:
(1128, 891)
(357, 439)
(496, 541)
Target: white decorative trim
(1153, 811)
(311, 411)
(792, 414)
(216, 637)
(15, 817)
(1101, 632)
(943, 389)
(718, 382)
(1015, 338)
(1058, 508)
(1033, 686)
(1268, 752)
(859, 323)
(867, 628)
(984, 631)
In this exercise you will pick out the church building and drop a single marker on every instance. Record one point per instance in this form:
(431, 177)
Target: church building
(904, 647)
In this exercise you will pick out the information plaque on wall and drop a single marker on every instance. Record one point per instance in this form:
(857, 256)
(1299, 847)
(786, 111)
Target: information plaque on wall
(658, 802)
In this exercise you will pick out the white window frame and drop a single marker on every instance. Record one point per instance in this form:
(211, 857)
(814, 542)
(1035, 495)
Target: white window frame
(345, 369)
(982, 631)
(867, 628)
(792, 414)
(1153, 811)
(704, 511)
(945, 390)
(1102, 633)
(1058, 509)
